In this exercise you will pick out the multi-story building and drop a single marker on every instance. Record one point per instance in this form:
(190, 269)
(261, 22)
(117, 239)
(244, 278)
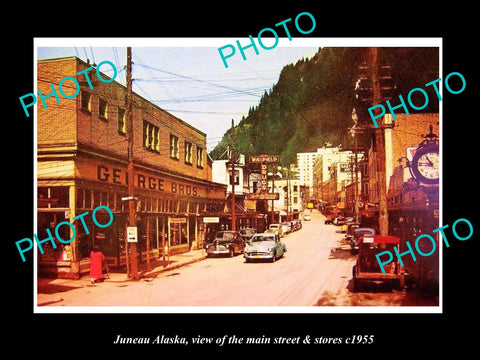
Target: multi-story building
(412, 207)
(305, 164)
(289, 203)
(82, 164)
(334, 171)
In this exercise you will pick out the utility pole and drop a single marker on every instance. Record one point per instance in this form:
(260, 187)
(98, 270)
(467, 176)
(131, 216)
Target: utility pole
(232, 178)
(131, 197)
(380, 147)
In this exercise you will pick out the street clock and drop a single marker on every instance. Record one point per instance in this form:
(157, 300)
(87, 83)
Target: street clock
(425, 165)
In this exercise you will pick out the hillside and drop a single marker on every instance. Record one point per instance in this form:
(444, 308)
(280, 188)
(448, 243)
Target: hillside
(313, 99)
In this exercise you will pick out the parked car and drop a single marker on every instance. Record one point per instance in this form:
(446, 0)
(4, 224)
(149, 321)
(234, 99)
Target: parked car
(350, 229)
(328, 219)
(286, 229)
(307, 217)
(264, 246)
(276, 228)
(247, 233)
(367, 269)
(358, 233)
(297, 224)
(227, 243)
(347, 223)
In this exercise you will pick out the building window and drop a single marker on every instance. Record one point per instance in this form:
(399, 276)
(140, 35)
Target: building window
(122, 124)
(199, 157)
(86, 102)
(188, 153)
(103, 109)
(174, 147)
(150, 137)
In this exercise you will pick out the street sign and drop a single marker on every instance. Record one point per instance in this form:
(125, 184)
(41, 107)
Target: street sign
(132, 234)
(263, 196)
(211, 220)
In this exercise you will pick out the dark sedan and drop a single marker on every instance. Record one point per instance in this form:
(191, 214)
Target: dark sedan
(227, 243)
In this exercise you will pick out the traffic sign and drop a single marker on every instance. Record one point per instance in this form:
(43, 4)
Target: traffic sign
(132, 234)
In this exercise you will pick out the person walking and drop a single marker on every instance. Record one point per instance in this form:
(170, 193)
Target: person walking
(96, 264)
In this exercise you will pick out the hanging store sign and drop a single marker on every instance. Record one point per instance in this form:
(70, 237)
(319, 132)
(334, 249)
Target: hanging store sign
(263, 179)
(177, 220)
(265, 196)
(264, 159)
(211, 220)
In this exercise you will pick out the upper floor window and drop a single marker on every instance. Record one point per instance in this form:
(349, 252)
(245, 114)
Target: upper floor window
(122, 124)
(199, 157)
(150, 137)
(188, 153)
(102, 109)
(86, 102)
(174, 151)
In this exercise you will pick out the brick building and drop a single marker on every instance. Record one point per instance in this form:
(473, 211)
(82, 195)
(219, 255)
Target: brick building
(82, 163)
(413, 207)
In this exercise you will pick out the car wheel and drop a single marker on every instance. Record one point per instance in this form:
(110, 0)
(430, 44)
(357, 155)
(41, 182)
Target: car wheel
(232, 252)
(274, 257)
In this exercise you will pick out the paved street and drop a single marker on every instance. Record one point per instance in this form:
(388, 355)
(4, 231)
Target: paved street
(316, 270)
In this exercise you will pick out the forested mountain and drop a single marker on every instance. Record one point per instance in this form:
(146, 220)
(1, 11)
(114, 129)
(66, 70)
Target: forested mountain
(313, 100)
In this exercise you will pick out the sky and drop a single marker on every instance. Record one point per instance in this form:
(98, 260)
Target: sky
(187, 77)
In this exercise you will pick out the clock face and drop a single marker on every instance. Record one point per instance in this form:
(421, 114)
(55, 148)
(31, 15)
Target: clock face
(426, 165)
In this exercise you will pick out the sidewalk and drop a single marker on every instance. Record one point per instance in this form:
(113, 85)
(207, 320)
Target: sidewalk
(49, 290)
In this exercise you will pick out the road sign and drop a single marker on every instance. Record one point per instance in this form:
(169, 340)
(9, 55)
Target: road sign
(132, 234)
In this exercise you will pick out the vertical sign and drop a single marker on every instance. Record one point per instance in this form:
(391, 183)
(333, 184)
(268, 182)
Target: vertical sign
(264, 160)
(263, 178)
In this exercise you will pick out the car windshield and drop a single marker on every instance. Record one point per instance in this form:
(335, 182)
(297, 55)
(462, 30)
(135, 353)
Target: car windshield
(224, 235)
(259, 238)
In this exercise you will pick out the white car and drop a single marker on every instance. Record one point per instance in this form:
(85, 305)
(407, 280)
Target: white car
(307, 217)
(264, 246)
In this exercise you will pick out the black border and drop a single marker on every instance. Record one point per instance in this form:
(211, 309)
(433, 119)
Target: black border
(409, 335)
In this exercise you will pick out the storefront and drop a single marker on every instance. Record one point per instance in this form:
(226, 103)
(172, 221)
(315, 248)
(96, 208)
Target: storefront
(414, 212)
(223, 221)
(169, 211)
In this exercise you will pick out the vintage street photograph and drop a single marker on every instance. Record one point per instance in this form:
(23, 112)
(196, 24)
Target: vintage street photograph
(305, 176)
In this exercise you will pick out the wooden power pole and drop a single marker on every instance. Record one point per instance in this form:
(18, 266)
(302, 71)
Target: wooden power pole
(131, 196)
(232, 178)
(380, 147)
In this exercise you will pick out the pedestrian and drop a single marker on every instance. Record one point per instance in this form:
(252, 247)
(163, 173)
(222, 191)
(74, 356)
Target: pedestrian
(96, 264)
